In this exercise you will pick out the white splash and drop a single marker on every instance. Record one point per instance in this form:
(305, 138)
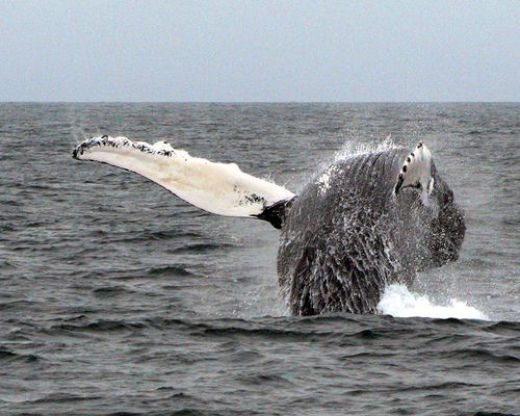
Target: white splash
(352, 149)
(398, 301)
(349, 150)
(324, 181)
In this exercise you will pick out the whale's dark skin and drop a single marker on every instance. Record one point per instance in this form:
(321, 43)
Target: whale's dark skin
(341, 245)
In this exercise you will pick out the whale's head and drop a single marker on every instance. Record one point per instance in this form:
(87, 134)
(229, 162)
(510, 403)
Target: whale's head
(438, 222)
(370, 220)
(447, 226)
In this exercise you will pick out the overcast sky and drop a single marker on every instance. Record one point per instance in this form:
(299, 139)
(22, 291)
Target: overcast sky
(260, 50)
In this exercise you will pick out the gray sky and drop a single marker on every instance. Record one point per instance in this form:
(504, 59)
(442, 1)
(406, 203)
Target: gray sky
(260, 50)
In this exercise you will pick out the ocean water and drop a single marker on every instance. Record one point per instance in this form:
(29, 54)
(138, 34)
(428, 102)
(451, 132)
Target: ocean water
(118, 298)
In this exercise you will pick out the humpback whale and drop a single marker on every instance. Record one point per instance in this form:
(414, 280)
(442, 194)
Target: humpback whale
(368, 221)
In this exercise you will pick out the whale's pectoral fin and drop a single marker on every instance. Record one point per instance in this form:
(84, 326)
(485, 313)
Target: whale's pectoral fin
(416, 172)
(220, 188)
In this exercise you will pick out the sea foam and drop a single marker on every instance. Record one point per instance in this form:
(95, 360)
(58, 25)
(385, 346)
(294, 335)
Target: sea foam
(398, 301)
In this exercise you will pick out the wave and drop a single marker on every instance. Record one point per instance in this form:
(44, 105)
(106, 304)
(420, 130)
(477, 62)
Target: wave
(7, 355)
(399, 302)
(169, 270)
(200, 248)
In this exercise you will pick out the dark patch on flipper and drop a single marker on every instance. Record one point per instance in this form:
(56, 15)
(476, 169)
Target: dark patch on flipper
(254, 198)
(116, 142)
(276, 213)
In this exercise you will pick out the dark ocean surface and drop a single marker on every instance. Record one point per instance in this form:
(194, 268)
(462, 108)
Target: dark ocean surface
(118, 298)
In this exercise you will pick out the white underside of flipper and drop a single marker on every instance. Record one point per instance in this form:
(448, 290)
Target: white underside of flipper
(219, 188)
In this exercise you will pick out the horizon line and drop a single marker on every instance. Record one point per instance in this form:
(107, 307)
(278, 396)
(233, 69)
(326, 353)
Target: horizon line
(254, 102)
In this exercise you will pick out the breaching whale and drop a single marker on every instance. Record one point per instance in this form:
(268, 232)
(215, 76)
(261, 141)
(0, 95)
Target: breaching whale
(368, 221)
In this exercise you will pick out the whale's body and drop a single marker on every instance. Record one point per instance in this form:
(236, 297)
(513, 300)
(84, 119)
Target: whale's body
(368, 221)
(347, 236)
